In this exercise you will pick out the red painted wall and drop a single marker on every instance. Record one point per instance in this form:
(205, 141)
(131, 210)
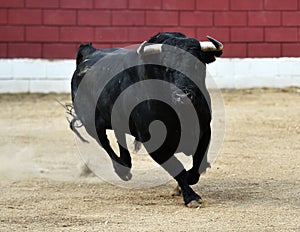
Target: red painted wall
(55, 28)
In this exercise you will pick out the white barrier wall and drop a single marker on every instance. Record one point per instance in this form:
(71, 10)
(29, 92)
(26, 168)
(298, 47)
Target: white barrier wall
(44, 76)
(256, 72)
(36, 75)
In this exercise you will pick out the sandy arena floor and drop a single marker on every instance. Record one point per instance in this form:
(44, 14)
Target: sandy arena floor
(254, 185)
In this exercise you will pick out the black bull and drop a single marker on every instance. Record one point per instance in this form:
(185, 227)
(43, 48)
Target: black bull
(102, 75)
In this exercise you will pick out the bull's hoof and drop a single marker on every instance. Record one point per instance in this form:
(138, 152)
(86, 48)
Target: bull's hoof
(127, 177)
(195, 203)
(124, 173)
(191, 199)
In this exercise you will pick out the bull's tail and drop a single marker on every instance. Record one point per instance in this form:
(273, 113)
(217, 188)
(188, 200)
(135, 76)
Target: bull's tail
(70, 110)
(73, 127)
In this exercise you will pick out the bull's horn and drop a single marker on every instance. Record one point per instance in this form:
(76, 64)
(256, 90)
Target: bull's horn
(212, 46)
(151, 49)
(218, 44)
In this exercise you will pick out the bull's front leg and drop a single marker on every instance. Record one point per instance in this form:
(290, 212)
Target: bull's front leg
(165, 157)
(191, 199)
(200, 163)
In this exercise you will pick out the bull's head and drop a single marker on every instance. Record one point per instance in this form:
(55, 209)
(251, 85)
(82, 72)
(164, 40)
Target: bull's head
(208, 50)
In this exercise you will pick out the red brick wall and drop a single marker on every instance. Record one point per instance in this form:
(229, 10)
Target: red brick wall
(55, 28)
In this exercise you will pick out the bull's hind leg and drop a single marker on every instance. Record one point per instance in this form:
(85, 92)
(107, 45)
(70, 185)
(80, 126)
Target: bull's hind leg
(125, 157)
(122, 168)
(124, 153)
(200, 162)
